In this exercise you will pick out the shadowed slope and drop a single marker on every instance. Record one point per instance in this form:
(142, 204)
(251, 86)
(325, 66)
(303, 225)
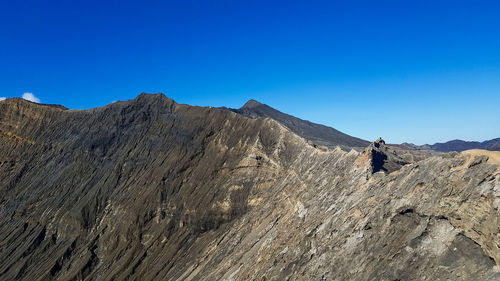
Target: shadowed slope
(152, 190)
(317, 133)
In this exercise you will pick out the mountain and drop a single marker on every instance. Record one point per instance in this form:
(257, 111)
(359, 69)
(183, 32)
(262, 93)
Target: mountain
(317, 133)
(149, 189)
(458, 145)
(395, 156)
(330, 137)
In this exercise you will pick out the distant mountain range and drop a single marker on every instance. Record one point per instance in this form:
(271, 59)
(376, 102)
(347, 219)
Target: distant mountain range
(458, 145)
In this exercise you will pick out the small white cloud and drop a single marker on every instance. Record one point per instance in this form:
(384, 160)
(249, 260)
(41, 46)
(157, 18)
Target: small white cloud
(2, 98)
(31, 97)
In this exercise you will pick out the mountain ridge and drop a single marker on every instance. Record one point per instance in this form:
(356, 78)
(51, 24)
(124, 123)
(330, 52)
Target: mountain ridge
(317, 133)
(313, 131)
(458, 145)
(149, 189)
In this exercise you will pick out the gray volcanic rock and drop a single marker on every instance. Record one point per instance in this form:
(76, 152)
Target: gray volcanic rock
(381, 159)
(150, 189)
(390, 158)
(317, 133)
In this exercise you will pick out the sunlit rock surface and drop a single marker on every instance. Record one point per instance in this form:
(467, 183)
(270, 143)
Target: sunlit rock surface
(150, 189)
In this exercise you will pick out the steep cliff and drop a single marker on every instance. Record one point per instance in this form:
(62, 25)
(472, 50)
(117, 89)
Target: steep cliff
(150, 189)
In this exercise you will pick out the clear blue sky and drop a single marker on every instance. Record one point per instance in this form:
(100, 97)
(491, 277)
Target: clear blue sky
(416, 71)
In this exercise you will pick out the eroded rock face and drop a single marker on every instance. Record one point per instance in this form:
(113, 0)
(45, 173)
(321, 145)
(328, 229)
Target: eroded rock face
(384, 158)
(153, 190)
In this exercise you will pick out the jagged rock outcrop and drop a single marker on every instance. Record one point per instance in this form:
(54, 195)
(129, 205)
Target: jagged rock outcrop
(387, 158)
(150, 189)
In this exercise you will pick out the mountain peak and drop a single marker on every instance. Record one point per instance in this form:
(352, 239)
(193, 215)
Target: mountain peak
(252, 104)
(379, 142)
(317, 133)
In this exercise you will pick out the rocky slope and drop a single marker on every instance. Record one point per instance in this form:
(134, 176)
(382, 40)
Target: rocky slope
(150, 189)
(317, 133)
